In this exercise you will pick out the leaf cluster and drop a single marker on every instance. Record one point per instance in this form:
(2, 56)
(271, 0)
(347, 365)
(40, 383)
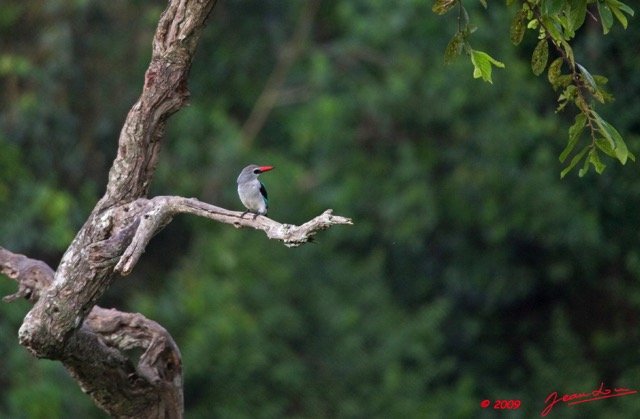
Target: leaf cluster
(482, 62)
(555, 23)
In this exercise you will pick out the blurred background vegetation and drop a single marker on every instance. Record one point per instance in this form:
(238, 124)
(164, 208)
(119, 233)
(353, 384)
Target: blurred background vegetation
(472, 271)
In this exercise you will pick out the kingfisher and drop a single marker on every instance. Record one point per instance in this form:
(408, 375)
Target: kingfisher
(252, 192)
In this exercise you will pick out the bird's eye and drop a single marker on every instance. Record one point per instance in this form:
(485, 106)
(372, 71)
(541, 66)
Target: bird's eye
(256, 171)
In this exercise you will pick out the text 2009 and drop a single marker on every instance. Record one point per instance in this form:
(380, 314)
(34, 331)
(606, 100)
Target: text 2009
(506, 404)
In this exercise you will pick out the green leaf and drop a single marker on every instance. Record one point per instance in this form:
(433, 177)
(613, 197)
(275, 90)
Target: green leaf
(588, 77)
(555, 70)
(618, 8)
(605, 146)
(569, 51)
(564, 80)
(574, 135)
(616, 141)
(594, 159)
(482, 65)
(620, 16)
(551, 7)
(510, 2)
(574, 161)
(602, 125)
(517, 27)
(600, 79)
(441, 7)
(621, 150)
(575, 13)
(599, 95)
(540, 57)
(567, 96)
(598, 92)
(606, 17)
(454, 48)
(615, 4)
(464, 21)
(553, 27)
(484, 3)
(585, 166)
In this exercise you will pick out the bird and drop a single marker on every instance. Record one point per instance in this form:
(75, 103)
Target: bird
(252, 192)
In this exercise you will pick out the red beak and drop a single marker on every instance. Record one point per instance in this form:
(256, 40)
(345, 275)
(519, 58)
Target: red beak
(266, 168)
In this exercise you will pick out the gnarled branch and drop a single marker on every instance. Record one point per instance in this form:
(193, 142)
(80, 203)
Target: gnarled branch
(96, 354)
(33, 276)
(79, 281)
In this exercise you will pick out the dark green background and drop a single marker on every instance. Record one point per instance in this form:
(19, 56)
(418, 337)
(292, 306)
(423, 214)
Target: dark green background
(471, 272)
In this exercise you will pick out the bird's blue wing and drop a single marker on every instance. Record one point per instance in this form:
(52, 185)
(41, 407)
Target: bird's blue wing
(263, 192)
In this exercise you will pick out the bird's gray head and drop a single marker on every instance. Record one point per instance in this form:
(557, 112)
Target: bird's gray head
(251, 172)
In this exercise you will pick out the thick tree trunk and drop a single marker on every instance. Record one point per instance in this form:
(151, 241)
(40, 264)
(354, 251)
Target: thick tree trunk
(64, 323)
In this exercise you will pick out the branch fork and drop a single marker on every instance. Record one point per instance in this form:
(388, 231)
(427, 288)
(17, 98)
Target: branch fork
(65, 324)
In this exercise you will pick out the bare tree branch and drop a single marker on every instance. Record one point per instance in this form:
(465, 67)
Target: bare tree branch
(129, 240)
(161, 210)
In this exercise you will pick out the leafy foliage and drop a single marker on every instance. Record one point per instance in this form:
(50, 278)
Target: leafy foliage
(482, 62)
(556, 22)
